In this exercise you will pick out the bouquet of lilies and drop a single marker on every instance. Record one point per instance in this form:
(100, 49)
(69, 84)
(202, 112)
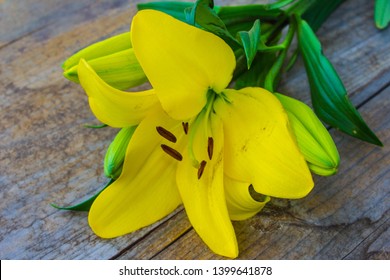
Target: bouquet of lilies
(212, 133)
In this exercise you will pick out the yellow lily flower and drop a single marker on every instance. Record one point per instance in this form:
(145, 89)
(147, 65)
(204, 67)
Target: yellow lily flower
(197, 142)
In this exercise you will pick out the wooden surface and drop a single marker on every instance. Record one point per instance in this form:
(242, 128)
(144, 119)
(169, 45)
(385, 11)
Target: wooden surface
(46, 155)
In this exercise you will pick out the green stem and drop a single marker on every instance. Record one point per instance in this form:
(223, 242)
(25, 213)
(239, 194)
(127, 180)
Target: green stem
(274, 73)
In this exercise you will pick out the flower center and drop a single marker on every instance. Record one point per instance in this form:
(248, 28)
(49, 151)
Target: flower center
(200, 124)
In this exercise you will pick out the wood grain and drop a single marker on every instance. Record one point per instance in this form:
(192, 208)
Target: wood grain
(47, 156)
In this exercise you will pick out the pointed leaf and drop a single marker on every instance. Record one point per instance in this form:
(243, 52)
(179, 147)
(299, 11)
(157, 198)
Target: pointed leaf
(86, 204)
(329, 97)
(203, 14)
(250, 41)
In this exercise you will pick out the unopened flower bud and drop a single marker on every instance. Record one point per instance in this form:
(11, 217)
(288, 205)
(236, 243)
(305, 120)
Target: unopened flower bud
(116, 152)
(313, 139)
(113, 59)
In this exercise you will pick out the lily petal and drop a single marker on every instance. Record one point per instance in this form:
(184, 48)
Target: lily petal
(241, 204)
(112, 106)
(259, 146)
(189, 62)
(146, 190)
(204, 198)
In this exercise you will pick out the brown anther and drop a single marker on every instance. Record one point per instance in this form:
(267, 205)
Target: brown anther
(166, 134)
(185, 127)
(172, 152)
(210, 147)
(201, 168)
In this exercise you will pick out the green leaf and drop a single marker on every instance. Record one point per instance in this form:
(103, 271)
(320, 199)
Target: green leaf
(203, 15)
(329, 97)
(278, 4)
(232, 16)
(382, 13)
(234, 28)
(242, 13)
(86, 204)
(190, 14)
(250, 40)
(202, 10)
(95, 126)
(314, 12)
(173, 8)
(256, 75)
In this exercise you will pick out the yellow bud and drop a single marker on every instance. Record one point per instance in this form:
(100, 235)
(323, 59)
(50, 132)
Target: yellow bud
(313, 139)
(113, 59)
(116, 152)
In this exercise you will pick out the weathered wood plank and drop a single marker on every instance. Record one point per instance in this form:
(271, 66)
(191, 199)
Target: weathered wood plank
(376, 246)
(19, 19)
(47, 156)
(159, 239)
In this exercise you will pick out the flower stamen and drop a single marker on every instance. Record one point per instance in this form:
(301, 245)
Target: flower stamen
(185, 127)
(166, 134)
(172, 152)
(210, 147)
(201, 169)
